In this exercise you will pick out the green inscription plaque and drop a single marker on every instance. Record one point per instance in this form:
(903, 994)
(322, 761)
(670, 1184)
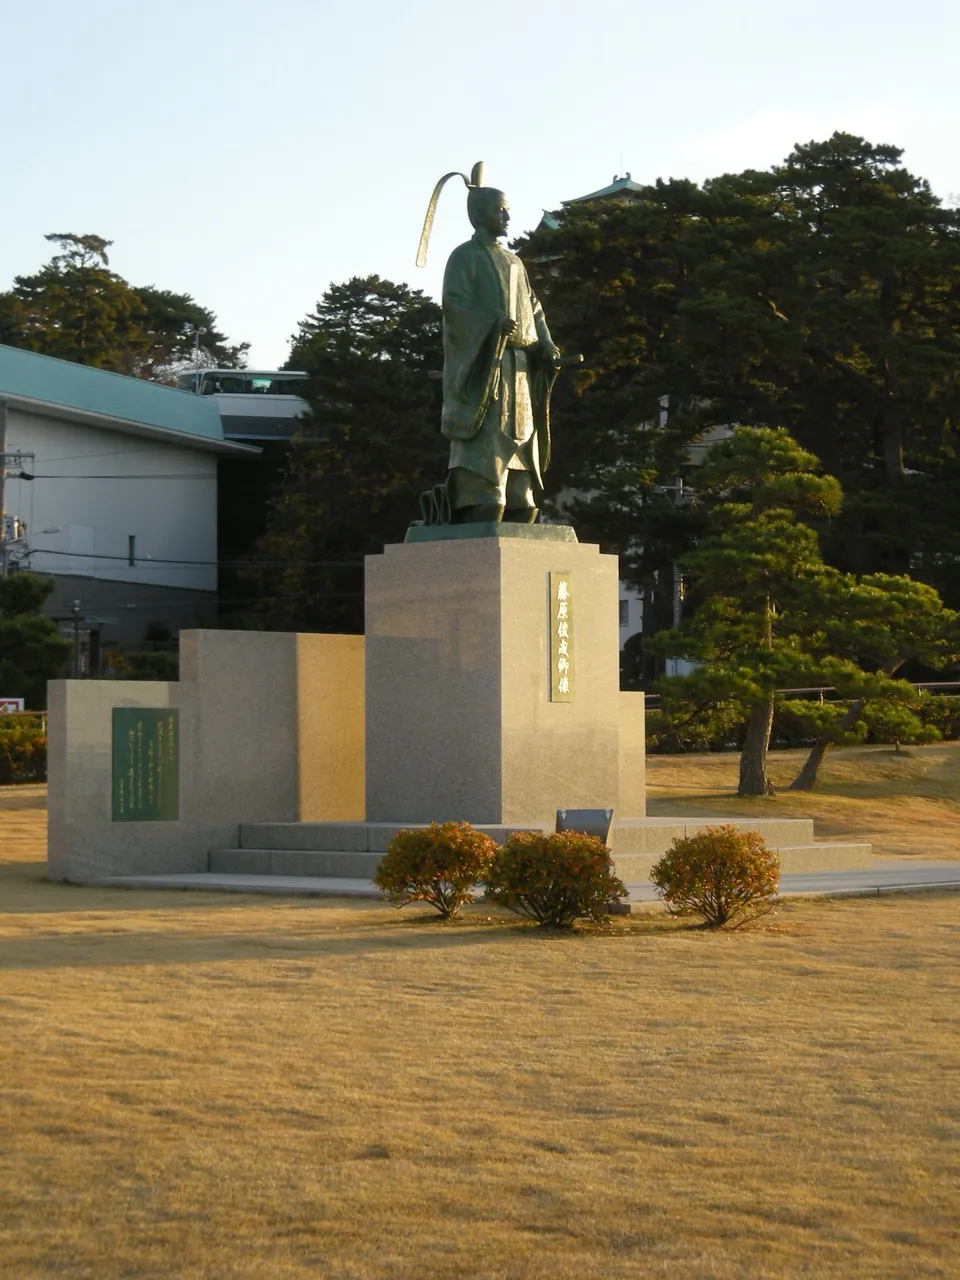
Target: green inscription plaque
(561, 637)
(146, 764)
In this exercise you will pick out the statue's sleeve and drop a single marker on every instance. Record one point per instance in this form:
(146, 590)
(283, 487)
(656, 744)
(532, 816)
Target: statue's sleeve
(539, 319)
(471, 344)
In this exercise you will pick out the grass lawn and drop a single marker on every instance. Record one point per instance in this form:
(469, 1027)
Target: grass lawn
(907, 803)
(201, 1085)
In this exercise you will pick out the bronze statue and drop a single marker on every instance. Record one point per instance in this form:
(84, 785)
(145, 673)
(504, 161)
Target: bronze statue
(499, 365)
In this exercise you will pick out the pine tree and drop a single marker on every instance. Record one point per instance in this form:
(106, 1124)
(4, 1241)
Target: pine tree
(760, 574)
(370, 448)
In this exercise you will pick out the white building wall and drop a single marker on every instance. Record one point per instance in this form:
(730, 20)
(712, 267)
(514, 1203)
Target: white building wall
(631, 612)
(166, 498)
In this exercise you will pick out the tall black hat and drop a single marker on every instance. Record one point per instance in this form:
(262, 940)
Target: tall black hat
(474, 181)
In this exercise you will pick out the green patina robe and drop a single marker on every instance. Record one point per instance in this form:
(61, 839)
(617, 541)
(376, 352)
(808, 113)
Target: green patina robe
(496, 388)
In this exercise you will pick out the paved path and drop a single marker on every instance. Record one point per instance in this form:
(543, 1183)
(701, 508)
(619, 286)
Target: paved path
(889, 876)
(885, 876)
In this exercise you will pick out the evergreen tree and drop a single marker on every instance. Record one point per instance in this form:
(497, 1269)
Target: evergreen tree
(371, 446)
(760, 573)
(867, 632)
(76, 308)
(164, 318)
(31, 649)
(822, 295)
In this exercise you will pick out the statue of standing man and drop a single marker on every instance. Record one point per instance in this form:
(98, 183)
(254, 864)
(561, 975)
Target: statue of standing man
(499, 365)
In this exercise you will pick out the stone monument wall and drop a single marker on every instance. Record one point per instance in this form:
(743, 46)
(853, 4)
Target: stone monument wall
(269, 727)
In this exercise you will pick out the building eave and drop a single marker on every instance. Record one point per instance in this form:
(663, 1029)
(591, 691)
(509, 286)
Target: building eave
(90, 418)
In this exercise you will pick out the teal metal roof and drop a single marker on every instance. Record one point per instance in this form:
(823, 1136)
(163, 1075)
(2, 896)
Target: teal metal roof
(131, 403)
(624, 187)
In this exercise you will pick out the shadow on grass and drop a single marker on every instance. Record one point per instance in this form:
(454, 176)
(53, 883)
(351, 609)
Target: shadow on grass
(95, 949)
(25, 890)
(75, 926)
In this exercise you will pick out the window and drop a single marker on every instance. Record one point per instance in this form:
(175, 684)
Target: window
(624, 613)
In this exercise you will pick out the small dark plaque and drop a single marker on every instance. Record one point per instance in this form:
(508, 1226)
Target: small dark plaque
(591, 822)
(146, 764)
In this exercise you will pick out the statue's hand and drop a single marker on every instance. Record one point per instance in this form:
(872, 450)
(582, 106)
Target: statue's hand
(550, 354)
(507, 326)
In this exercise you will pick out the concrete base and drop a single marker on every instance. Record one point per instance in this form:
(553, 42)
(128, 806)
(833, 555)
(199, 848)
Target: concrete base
(827, 856)
(354, 849)
(888, 877)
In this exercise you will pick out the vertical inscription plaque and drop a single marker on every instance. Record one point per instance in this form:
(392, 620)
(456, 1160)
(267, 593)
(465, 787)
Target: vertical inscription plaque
(561, 638)
(146, 764)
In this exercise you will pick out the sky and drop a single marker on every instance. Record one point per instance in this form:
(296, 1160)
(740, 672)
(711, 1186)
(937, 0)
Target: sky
(251, 154)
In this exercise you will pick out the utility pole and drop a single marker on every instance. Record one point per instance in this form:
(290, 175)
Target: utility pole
(75, 611)
(197, 334)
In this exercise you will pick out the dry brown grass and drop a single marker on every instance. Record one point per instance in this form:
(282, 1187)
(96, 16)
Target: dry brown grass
(209, 1086)
(906, 803)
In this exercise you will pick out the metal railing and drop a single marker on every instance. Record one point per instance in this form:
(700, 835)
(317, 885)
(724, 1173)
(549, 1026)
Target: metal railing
(820, 690)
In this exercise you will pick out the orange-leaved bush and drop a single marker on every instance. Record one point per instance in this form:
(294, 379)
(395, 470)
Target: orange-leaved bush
(721, 874)
(438, 864)
(23, 754)
(554, 879)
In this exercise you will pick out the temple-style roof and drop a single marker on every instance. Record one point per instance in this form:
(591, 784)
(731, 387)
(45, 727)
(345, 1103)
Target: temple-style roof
(619, 189)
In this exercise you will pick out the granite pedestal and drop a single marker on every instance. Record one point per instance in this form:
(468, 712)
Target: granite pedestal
(463, 717)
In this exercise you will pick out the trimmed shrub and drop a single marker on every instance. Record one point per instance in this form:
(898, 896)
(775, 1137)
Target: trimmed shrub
(23, 754)
(438, 864)
(554, 879)
(723, 875)
(940, 712)
(889, 721)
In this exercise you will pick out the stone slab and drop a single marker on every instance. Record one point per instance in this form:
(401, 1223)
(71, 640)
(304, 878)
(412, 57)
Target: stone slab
(826, 856)
(882, 877)
(280, 886)
(381, 833)
(489, 529)
(244, 862)
(350, 837)
(346, 837)
(298, 862)
(654, 835)
(651, 835)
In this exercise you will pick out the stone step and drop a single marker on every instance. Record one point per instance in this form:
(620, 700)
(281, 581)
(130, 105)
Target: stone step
(629, 835)
(821, 855)
(349, 837)
(655, 835)
(905, 875)
(631, 867)
(326, 863)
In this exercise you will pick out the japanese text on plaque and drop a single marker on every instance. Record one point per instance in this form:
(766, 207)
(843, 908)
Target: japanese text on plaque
(561, 638)
(146, 764)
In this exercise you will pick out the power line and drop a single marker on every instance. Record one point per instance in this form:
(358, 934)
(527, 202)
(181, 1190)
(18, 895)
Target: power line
(159, 561)
(212, 601)
(39, 475)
